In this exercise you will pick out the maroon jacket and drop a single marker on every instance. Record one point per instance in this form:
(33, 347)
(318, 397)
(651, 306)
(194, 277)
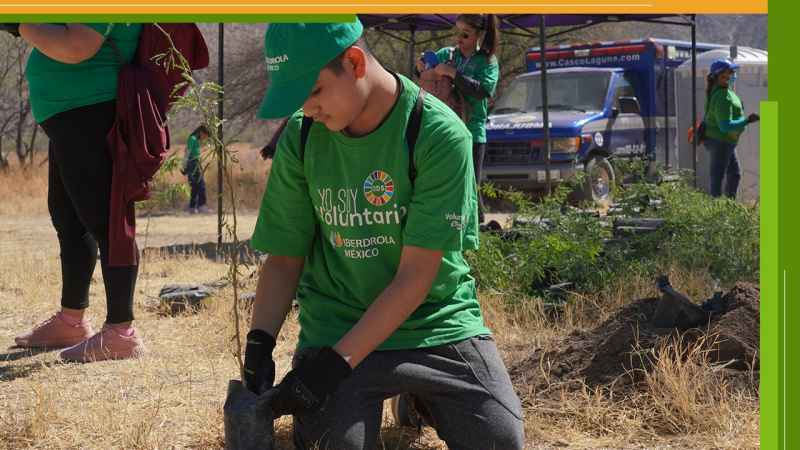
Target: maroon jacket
(139, 139)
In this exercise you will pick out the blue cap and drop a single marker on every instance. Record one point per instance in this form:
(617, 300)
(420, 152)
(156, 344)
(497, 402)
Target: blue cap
(722, 65)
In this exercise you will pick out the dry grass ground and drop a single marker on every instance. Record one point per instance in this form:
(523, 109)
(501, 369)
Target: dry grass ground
(173, 397)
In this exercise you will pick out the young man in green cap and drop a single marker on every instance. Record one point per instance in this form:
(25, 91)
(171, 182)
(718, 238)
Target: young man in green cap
(370, 237)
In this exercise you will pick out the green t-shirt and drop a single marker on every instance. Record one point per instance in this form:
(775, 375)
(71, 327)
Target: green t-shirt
(724, 104)
(486, 71)
(349, 208)
(56, 87)
(192, 148)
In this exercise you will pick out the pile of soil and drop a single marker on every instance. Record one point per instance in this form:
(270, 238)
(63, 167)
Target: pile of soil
(617, 352)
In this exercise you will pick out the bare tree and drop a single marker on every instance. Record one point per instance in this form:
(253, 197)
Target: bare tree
(9, 57)
(24, 104)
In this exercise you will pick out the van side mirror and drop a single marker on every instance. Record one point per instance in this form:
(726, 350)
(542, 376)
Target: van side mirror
(614, 112)
(629, 105)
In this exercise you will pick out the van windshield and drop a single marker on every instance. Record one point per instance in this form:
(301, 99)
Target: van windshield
(575, 91)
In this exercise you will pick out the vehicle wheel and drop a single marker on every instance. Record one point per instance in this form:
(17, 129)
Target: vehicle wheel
(599, 180)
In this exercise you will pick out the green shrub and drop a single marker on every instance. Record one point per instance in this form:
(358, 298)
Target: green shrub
(165, 192)
(560, 243)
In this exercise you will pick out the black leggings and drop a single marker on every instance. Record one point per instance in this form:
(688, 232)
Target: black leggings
(478, 151)
(78, 199)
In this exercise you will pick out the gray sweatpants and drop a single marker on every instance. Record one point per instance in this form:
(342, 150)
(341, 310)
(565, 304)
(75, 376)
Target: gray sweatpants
(464, 385)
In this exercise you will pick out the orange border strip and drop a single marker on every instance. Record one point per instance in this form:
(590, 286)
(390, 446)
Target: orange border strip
(377, 6)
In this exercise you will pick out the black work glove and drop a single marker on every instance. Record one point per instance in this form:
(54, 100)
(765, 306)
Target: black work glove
(753, 118)
(10, 28)
(308, 386)
(259, 368)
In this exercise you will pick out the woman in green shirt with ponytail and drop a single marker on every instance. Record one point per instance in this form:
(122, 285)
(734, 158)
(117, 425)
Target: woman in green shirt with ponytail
(475, 72)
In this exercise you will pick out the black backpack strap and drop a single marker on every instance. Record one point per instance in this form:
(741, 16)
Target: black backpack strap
(412, 132)
(305, 129)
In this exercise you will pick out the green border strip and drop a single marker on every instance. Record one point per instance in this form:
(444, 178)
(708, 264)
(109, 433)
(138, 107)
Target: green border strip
(770, 288)
(167, 18)
(773, 261)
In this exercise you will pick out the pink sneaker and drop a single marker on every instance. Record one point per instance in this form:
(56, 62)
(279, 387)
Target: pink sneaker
(55, 332)
(107, 344)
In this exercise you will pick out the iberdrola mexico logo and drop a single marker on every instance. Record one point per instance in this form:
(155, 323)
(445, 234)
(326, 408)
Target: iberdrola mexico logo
(336, 239)
(378, 188)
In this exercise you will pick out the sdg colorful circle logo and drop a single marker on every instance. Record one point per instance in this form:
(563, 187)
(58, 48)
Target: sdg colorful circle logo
(378, 188)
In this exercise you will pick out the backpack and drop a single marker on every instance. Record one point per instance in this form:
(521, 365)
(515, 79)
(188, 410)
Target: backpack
(155, 88)
(443, 88)
(139, 138)
(412, 133)
(698, 132)
(186, 37)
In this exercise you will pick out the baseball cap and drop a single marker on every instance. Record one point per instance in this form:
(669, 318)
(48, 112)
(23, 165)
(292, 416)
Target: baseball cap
(722, 65)
(295, 54)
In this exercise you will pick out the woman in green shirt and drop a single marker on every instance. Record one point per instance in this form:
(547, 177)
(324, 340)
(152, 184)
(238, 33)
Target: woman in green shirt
(724, 122)
(72, 77)
(475, 72)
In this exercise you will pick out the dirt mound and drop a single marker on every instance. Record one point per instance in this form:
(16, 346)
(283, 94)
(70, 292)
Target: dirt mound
(737, 329)
(616, 352)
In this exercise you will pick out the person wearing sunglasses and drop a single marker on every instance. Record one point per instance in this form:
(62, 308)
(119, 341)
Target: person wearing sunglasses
(473, 67)
(725, 122)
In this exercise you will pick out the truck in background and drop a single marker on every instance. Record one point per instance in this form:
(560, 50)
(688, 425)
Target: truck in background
(605, 100)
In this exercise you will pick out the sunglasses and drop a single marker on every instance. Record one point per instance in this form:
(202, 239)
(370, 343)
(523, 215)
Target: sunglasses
(462, 34)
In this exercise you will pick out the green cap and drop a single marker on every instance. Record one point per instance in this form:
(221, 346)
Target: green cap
(295, 53)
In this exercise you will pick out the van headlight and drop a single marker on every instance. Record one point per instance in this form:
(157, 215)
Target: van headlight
(565, 145)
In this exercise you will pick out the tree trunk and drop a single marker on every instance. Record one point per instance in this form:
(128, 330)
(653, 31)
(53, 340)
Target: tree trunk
(6, 123)
(3, 160)
(24, 109)
(32, 143)
(22, 149)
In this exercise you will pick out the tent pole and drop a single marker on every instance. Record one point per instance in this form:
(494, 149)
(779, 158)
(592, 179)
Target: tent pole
(694, 97)
(666, 112)
(220, 149)
(545, 107)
